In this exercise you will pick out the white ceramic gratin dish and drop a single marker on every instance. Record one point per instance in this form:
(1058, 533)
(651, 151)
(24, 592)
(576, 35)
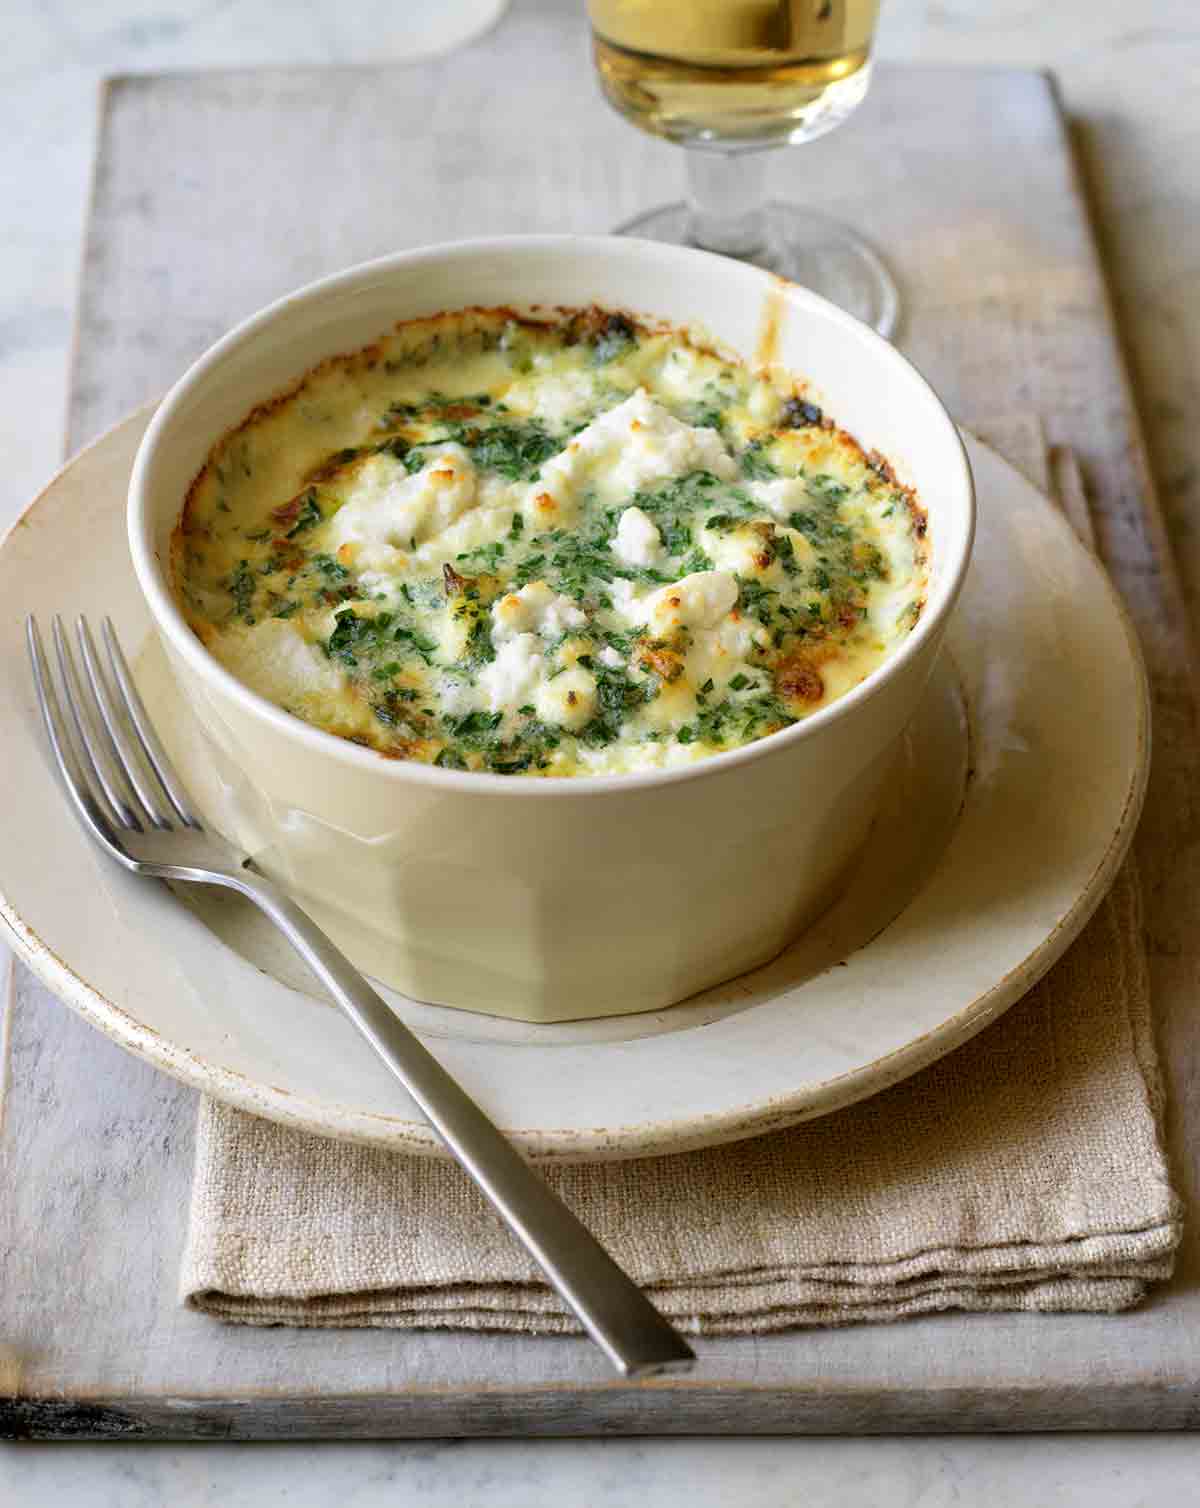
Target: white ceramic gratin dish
(554, 900)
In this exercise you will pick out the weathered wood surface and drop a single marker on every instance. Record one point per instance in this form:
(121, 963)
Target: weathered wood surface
(217, 192)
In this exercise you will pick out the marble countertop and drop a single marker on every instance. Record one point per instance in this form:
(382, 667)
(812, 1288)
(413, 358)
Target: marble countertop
(1124, 75)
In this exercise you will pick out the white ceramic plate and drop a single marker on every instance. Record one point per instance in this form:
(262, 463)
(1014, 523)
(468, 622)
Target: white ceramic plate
(1015, 799)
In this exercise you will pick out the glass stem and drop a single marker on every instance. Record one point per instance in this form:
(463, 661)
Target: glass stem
(726, 201)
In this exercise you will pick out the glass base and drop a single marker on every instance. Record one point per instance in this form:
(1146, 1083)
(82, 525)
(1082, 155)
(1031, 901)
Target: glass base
(805, 247)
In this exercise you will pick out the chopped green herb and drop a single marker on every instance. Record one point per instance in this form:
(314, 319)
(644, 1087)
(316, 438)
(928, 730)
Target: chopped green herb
(510, 766)
(755, 465)
(676, 538)
(489, 556)
(706, 416)
(696, 560)
(331, 569)
(515, 450)
(616, 695)
(309, 515)
(241, 586)
(425, 647)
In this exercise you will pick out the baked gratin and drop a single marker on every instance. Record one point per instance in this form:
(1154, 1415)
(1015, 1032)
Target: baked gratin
(576, 545)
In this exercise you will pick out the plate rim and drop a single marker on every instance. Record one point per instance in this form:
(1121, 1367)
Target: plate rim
(688, 1132)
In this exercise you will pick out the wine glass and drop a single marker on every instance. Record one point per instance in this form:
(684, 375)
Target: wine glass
(728, 80)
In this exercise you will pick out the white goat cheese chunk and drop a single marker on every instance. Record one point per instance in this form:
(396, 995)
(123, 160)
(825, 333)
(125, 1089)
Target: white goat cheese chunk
(780, 497)
(388, 512)
(535, 609)
(700, 600)
(637, 541)
(568, 699)
(509, 681)
(627, 448)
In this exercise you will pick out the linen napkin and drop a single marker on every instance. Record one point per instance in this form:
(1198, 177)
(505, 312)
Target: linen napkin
(1023, 1172)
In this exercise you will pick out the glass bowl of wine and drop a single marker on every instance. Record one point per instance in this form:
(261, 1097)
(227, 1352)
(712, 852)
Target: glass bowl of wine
(729, 80)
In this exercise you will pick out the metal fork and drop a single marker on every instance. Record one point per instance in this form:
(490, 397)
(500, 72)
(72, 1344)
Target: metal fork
(131, 801)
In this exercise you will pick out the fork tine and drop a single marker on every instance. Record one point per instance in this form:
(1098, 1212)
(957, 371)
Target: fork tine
(121, 745)
(89, 807)
(92, 760)
(156, 755)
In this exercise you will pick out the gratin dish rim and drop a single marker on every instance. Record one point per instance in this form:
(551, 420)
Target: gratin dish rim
(153, 574)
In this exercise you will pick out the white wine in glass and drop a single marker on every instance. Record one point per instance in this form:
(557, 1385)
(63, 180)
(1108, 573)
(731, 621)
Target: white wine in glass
(727, 79)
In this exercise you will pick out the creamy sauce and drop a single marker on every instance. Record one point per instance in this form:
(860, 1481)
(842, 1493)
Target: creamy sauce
(564, 548)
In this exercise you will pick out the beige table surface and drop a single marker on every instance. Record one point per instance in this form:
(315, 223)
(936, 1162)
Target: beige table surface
(1133, 142)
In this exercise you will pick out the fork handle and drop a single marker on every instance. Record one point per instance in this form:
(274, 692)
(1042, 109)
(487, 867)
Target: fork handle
(610, 1306)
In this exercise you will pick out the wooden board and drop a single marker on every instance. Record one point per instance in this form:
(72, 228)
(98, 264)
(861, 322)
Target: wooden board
(215, 192)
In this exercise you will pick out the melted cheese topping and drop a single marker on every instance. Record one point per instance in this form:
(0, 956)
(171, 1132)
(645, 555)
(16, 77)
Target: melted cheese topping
(571, 548)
